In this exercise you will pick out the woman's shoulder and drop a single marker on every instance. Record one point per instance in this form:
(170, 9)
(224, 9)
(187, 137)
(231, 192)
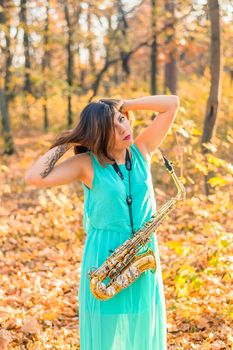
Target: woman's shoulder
(141, 149)
(88, 170)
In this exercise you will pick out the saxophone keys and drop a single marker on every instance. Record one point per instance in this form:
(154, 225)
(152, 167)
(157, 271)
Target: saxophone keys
(101, 287)
(113, 272)
(129, 275)
(119, 280)
(122, 281)
(118, 266)
(125, 281)
(110, 291)
(126, 258)
(134, 271)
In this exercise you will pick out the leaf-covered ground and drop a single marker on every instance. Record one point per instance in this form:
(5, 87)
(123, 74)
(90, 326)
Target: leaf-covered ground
(42, 238)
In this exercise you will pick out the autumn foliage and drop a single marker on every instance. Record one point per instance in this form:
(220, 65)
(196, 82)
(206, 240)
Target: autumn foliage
(41, 230)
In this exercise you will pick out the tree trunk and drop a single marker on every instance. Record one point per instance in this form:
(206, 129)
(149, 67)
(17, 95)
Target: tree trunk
(8, 66)
(116, 75)
(213, 103)
(8, 140)
(95, 85)
(170, 69)
(90, 41)
(153, 49)
(45, 66)
(23, 19)
(27, 65)
(5, 119)
(124, 44)
(69, 65)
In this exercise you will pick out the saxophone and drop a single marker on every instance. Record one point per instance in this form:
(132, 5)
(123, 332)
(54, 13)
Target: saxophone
(123, 267)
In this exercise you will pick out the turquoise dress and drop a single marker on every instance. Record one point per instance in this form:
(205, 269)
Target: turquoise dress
(135, 318)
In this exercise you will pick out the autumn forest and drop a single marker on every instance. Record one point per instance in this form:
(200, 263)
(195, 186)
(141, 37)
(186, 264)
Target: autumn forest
(57, 56)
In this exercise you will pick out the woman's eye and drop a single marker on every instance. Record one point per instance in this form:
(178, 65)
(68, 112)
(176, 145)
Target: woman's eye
(122, 117)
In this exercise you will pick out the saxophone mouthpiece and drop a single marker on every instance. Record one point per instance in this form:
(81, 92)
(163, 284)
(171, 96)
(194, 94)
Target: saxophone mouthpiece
(167, 164)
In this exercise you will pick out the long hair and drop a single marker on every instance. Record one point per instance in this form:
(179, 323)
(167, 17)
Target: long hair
(95, 129)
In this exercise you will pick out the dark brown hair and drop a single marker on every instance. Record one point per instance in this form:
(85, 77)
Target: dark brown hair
(95, 129)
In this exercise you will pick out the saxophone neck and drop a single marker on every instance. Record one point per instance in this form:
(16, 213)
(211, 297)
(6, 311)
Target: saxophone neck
(181, 194)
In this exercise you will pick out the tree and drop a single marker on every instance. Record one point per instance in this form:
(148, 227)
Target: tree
(72, 11)
(27, 65)
(45, 65)
(24, 25)
(213, 102)
(170, 68)
(153, 48)
(5, 119)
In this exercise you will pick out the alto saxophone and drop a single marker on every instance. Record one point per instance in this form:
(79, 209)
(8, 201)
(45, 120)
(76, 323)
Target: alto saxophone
(123, 267)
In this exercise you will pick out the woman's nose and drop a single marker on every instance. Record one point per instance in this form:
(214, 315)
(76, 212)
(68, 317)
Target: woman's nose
(122, 129)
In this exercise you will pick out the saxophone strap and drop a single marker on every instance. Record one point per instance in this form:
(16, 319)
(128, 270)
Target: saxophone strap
(129, 200)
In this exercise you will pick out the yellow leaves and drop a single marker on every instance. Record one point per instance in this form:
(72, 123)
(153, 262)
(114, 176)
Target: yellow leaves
(26, 255)
(51, 315)
(176, 245)
(201, 167)
(213, 261)
(181, 288)
(206, 346)
(186, 281)
(4, 169)
(214, 160)
(227, 277)
(217, 181)
(62, 246)
(196, 131)
(166, 274)
(42, 244)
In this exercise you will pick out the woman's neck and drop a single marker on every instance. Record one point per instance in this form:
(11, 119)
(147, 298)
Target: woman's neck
(119, 155)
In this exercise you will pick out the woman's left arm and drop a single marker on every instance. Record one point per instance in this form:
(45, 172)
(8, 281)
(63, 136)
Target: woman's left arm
(152, 136)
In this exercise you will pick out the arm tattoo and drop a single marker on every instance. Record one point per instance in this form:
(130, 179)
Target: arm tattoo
(53, 158)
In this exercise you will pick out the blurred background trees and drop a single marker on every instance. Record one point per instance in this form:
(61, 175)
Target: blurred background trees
(56, 56)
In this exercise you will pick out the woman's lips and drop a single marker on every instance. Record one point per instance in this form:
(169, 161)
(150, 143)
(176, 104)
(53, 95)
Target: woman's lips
(127, 137)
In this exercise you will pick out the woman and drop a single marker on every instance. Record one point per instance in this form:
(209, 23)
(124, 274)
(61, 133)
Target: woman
(135, 318)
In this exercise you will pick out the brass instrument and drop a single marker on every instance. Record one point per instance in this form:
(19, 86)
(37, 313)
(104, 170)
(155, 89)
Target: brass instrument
(123, 266)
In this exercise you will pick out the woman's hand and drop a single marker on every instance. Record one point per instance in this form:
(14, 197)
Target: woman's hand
(123, 108)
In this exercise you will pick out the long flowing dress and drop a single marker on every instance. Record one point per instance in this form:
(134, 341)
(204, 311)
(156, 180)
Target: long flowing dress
(135, 318)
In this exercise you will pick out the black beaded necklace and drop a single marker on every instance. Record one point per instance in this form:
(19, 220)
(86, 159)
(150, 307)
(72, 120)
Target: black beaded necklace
(129, 200)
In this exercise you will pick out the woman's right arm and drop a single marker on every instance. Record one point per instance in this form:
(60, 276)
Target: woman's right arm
(44, 173)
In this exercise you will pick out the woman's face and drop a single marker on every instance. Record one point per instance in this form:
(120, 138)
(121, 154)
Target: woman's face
(122, 129)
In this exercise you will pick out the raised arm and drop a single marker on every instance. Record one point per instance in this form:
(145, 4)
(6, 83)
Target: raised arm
(152, 136)
(44, 173)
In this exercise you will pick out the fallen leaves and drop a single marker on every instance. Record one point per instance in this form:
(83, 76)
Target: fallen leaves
(42, 237)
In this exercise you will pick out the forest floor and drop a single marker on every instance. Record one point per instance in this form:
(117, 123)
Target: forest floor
(42, 239)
